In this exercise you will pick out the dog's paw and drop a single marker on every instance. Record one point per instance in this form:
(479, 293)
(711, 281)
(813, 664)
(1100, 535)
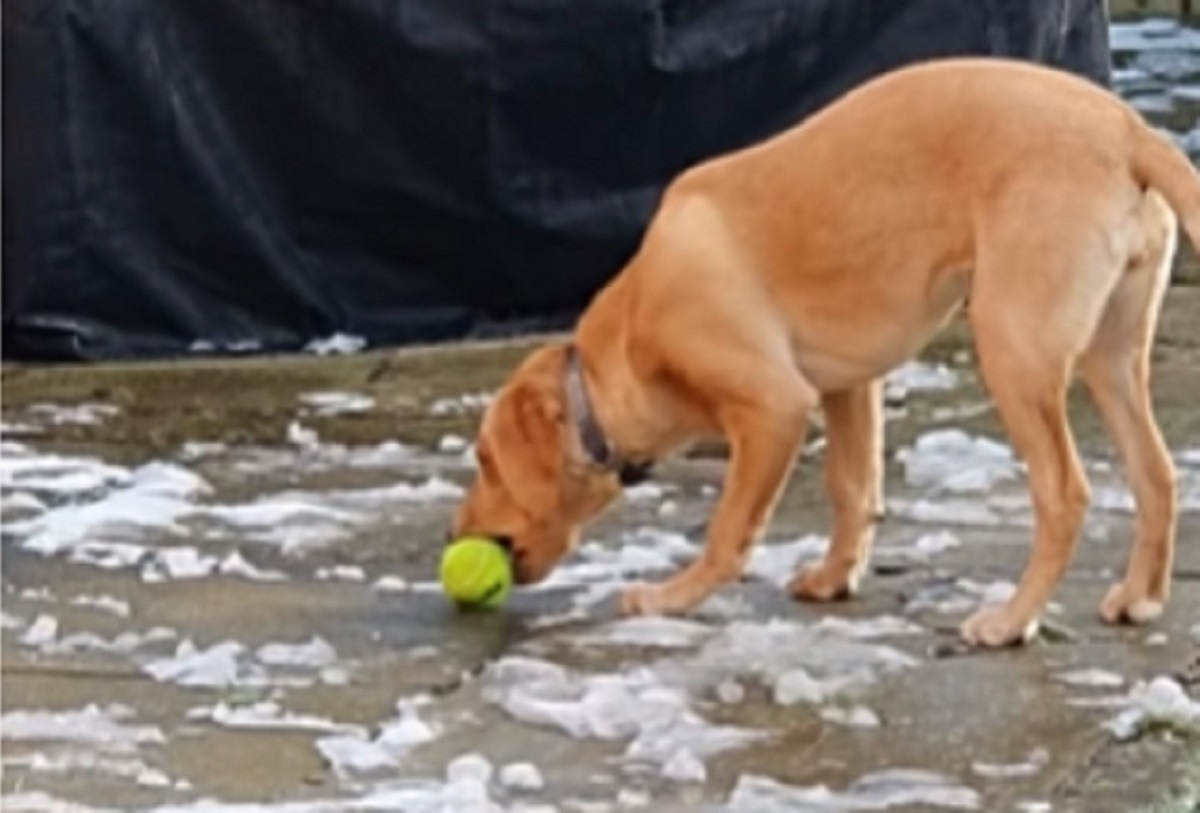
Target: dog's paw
(1125, 604)
(642, 599)
(818, 582)
(995, 627)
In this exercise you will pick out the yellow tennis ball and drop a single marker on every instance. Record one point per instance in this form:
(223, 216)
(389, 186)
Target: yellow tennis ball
(476, 572)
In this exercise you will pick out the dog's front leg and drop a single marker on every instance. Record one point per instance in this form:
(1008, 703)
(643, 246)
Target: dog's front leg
(764, 440)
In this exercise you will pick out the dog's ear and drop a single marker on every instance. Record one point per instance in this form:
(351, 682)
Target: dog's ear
(525, 436)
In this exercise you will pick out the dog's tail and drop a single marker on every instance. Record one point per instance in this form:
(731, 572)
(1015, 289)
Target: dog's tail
(1160, 165)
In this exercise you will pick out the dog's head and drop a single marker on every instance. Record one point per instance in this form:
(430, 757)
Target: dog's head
(534, 489)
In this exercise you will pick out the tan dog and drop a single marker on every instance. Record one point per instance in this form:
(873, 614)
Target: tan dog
(797, 272)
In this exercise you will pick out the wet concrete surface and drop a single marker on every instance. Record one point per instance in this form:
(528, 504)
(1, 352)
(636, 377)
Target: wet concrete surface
(1003, 726)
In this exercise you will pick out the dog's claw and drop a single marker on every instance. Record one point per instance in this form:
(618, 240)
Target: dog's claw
(1124, 604)
(816, 582)
(995, 627)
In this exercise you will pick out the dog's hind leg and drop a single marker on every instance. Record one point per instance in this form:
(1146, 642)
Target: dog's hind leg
(854, 485)
(1037, 297)
(1116, 369)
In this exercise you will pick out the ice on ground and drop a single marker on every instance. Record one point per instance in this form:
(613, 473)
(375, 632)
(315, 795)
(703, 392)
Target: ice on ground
(87, 414)
(1157, 34)
(345, 573)
(522, 776)
(1037, 759)
(684, 766)
(215, 667)
(52, 474)
(963, 595)
(777, 562)
(42, 631)
(390, 583)
(156, 495)
(237, 565)
(464, 404)
(302, 436)
(949, 461)
(336, 402)
(72, 760)
(797, 662)
(639, 553)
(317, 653)
(19, 505)
(1159, 702)
(470, 767)
(897, 787)
(339, 344)
(103, 727)
(917, 376)
(266, 714)
(648, 631)
(655, 719)
(1090, 677)
(357, 752)
(8, 621)
(452, 444)
(648, 492)
(179, 563)
(106, 604)
(853, 717)
(124, 643)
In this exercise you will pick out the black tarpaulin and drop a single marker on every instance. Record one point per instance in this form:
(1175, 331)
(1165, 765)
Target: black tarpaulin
(256, 174)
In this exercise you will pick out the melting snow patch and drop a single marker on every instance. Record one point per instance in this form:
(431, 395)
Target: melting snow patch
(684, 766)
(951, 461)
(123, 644)
(917, 376)
(265, 715)
(42, 631)
(237, 565)
(1090, 677)
(315, 654)
(1161, 702)
(521, 776)
(654, 718)
(854, 717)
(797, 662)
(876, 791)
(216, 666)
(345, 573)
(340, 344)
(776, 563)
(72, 760)
(107, 604)
(461, 405)
(452, 444)
(179, 564)
(338, 403)
(103, 727)
(72, 415)
(1038, 759)
(356, 752)
(302, 436)
(649, 631)
(389, 583)
(156, 496)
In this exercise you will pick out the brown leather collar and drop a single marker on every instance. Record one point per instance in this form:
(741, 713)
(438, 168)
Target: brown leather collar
(591, 436)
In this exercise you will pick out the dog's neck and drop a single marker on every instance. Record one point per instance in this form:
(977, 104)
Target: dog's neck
(596, 444)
